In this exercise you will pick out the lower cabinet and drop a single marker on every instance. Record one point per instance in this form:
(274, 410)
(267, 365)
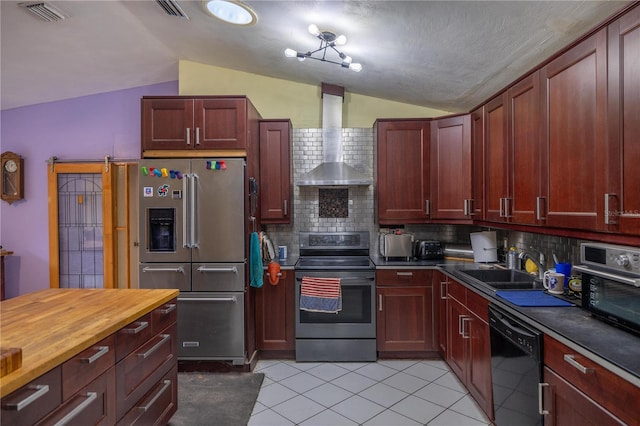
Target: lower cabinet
(440, 281)
(130, 377)
(577, 390)
(275, 314)
(468, 350)
(405, 315)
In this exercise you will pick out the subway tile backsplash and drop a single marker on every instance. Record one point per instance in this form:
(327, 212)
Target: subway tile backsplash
(358, 152)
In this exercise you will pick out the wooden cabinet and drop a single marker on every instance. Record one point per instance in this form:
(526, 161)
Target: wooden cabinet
(275, 171)
(451, 168)
(402, 184)
(207, 123)
(275, 314)
(577, 390)
(525, 203)
(405, 314)
(496, 189)
(107, 380)
(622, 196)
(440, 282)
(468, 342)
(477, 162)
(575, 147)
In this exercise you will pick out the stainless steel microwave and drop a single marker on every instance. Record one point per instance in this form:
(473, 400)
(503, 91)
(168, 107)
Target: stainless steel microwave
(611, 283)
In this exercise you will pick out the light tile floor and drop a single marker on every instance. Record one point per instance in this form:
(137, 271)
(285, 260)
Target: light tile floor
(387, 392)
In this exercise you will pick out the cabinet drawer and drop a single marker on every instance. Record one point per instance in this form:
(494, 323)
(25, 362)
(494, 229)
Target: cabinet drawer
(132, 336)
(93, 405)
(403, 277)
(143, 367)
(164, 316)
(87, 365)
(158, 405)
(457, 291)
(34, 400)
(606, 388)
(478, 305)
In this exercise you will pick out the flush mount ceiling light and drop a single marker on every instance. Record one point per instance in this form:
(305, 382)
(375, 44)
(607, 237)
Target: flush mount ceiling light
(328, 40)
(231, 11)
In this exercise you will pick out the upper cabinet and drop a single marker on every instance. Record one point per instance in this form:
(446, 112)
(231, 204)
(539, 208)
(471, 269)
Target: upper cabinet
(575, 144)
(477, 163)
(208, 123)
(496, 188)
(403, 171)
(622, 196)
(451, 169)
(275, 171)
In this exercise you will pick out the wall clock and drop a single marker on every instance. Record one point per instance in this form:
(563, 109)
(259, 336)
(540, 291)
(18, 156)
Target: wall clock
(12, 182)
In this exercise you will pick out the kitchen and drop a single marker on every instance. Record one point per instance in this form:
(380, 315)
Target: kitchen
(195, 74)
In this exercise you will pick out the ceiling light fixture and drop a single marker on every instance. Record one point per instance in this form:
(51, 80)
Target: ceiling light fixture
(231, 11)
(327, 40)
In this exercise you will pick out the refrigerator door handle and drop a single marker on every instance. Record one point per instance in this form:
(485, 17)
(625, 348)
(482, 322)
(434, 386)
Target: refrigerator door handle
(194, 203)
(185, 191)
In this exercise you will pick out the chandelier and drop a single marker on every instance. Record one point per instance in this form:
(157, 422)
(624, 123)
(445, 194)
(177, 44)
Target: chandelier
(328, 40)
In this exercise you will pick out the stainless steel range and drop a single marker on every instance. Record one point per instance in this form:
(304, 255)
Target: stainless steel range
(350, 333)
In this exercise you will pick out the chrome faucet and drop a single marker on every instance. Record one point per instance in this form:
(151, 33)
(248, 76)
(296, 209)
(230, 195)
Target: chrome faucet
(540, 261)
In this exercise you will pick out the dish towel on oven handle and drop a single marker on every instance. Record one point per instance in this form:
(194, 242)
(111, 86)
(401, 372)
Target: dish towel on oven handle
(321, 295)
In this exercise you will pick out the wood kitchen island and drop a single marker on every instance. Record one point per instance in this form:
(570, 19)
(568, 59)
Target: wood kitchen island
(94, 356)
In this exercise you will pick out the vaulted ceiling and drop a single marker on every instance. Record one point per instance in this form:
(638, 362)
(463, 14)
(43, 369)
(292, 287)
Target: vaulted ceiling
(449, 55)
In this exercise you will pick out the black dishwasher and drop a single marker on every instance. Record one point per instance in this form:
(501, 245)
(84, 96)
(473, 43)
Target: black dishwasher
(516, 367)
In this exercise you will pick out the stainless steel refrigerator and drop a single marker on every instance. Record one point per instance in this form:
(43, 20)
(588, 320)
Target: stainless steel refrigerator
(192, 237)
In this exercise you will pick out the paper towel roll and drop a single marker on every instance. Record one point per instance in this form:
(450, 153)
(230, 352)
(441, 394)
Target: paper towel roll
(484, 246)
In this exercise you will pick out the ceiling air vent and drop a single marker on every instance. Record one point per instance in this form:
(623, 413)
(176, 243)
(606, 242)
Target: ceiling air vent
(45, 11)
(172, 8)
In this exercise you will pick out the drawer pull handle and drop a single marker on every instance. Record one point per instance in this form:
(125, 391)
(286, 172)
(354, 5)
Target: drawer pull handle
(138, 329)
(465, 334)
(169, 308)
(102, 350)
(40, 390)
(208, 269)
(443, 290)
(155, 347)
(541, 409)
(166, 385)
(404, 274)
(571, 359)
(91, 396)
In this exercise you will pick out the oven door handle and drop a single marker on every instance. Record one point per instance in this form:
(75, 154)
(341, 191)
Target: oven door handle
(585, 270)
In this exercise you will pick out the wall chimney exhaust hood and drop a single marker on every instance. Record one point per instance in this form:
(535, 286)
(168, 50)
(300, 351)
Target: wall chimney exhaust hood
(333, 171)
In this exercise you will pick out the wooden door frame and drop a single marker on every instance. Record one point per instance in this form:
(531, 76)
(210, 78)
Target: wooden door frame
(107, 213)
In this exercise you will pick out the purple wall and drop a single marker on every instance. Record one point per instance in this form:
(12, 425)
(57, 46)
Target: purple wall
(84, 128)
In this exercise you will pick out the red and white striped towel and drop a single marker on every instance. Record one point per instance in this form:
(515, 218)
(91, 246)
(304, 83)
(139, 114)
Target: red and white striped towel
(321, 295)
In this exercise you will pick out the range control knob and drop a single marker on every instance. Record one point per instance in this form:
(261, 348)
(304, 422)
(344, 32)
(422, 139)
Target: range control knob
(622, 260)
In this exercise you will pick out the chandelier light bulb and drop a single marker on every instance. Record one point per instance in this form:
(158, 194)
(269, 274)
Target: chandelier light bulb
(313, 29)
(341, 40)
(290, 53)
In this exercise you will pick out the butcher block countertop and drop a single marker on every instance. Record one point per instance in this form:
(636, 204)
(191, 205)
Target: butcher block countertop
(51, 326)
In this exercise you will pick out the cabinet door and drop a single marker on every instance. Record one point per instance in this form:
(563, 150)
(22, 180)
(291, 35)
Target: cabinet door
(566, 405)
(220, 124)
(479, 375)
(167, 124)
(440, 303)
(405, 319)
(275, 309)
(495, 161)
(451, 168)
(403, 172)
(622, 197)
(477, 163)
(457, 352)
(575, 106)
(275, 171)
(526, 204)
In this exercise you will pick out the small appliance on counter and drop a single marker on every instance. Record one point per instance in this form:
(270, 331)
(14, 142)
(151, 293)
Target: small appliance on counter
(484, 246)
(428, 250)
(396, 244)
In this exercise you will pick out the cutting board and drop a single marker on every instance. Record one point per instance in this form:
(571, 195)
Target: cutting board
(10, 360)
(531, 298)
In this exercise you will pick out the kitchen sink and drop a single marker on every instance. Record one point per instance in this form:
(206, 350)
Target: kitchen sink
(504, 279)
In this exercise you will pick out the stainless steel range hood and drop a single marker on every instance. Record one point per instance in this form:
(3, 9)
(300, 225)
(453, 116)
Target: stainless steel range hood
(333, 171)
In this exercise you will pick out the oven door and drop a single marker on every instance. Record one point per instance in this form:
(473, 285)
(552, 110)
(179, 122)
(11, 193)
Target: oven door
(611, 299)
(357, 317)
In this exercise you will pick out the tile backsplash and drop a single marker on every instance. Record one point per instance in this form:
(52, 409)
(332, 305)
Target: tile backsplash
(358, 151)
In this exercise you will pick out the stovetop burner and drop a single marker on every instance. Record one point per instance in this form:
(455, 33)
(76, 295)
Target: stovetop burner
(334, 250)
